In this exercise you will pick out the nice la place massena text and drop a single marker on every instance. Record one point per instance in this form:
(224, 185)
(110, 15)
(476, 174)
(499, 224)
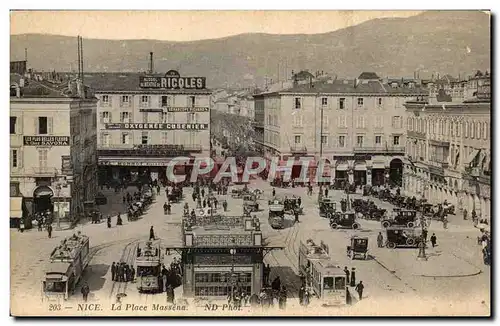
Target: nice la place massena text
(204, 165)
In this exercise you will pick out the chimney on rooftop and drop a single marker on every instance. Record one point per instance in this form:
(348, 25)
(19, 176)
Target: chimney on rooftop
(151, 65)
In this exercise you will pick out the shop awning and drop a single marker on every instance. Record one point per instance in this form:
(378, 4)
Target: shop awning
(16, 207)
(472, 156)
(378, 165)
(341, 167)
(360, 167)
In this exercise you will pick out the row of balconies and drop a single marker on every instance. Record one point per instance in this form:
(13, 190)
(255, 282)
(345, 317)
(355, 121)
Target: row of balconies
(189, 147)
(357, 149)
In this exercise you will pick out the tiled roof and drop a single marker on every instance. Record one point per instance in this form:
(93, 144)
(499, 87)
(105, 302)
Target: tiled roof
(37, 89)
(347, 86)
(127, 82)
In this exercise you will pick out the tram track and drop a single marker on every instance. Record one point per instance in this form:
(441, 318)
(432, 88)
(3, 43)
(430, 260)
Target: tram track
(127, 257)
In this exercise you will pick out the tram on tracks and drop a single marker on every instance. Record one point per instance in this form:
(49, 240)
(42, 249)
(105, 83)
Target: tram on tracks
(148, 263)
(325, 279)
(66, 266)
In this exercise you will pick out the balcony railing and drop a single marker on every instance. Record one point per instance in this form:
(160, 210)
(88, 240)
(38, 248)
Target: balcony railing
(298, 149)
(381, 149)
(44, 171)
(416, 134)
(115, 146)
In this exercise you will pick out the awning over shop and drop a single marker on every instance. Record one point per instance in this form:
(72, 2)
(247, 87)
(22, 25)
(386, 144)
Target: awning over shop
(378, 165)
(472, 156)
(341, 167)
(126, 161)
(360, 167)
(16, 207)
(43, 191)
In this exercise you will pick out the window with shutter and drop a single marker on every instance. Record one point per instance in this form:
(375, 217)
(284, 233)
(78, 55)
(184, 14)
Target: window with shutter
(325, 122)
(50, 125)
(20, 158)
(13, 158)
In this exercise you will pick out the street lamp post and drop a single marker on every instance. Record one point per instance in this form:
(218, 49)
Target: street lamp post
(232, 251)
(58, 188)
(421, 247)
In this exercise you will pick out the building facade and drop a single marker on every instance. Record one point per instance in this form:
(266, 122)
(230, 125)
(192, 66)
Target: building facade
(358, 125)
(53, 146)
(448, 146)
(220, 255)
(145, 120)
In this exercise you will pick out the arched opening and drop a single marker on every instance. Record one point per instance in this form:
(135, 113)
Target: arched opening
(42, 199)
(396, 172)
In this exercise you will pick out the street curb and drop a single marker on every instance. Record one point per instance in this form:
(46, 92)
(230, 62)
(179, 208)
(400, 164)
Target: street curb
(451, 276)
(386, 268)
(440, 276)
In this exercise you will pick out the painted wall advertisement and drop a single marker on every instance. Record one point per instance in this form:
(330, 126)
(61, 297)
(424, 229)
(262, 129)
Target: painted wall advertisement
(157, 126)
(172, 80)
(46, 140)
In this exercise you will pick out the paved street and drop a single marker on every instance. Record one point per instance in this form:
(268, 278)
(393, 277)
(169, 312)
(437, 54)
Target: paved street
(388, 275)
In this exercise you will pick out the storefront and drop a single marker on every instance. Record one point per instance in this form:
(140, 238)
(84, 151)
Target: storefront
(222, 254)
(16, 211)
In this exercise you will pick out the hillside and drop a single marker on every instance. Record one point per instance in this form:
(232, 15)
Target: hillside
(445, 42)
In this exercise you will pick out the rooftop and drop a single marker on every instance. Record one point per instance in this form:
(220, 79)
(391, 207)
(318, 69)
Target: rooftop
(352, 87)
(36, 89)
(129, 82)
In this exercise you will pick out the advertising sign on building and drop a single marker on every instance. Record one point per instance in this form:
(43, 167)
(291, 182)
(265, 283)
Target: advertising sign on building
(132, 163)
(46, 140)
(172, 80)
(157, 126)
(66, 164)
(188, 109)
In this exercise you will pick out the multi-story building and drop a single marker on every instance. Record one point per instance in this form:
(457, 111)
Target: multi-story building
(448, 145)
(146, 119)
(52, 146)
(358, 125)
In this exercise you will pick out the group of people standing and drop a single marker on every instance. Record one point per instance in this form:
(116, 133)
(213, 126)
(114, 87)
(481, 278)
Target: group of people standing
(122, 272)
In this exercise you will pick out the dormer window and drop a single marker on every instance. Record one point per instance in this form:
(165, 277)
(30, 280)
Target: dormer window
(394, 85)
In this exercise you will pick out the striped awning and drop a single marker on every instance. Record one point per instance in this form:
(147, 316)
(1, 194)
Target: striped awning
(378, 165)
(360, 167)
(16, 207)
(342, 167)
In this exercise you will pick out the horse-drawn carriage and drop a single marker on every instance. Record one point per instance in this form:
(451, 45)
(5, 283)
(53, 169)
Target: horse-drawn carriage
(276, 214)
(135, 211)
(250, 202)
(175, 196)
(358, 247)
(292, 205)
(368, 209)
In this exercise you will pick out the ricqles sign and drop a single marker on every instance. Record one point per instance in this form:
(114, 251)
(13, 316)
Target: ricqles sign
(172, 80)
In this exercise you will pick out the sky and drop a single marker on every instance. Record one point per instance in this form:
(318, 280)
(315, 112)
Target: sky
(187, 25)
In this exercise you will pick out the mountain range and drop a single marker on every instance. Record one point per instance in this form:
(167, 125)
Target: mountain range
(446, 42)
